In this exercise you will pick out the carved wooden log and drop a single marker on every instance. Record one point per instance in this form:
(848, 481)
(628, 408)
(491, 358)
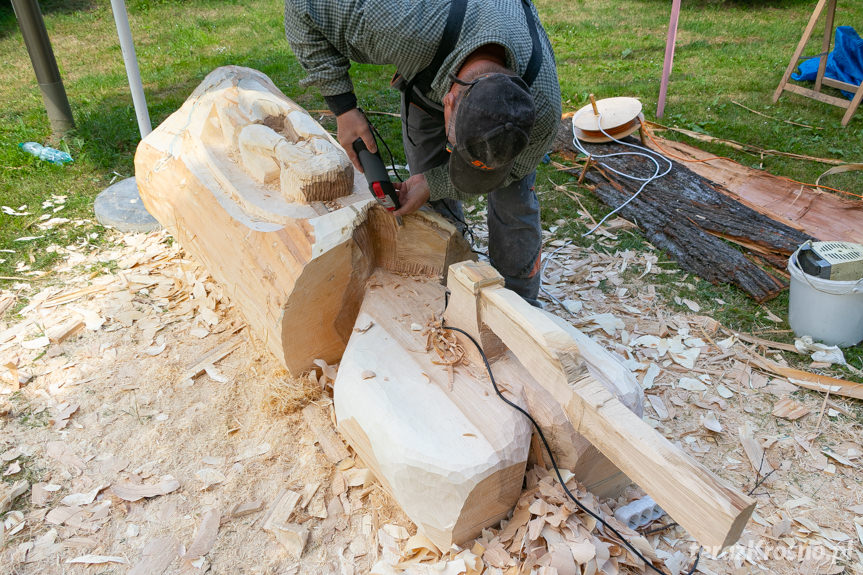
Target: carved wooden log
(449, 451)
(251, 185)
(444, 445)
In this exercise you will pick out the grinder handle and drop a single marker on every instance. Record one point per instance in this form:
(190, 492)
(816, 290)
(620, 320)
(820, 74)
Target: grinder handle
(373, 165)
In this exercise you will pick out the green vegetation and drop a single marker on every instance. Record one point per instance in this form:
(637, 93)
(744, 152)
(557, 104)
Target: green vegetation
(727, 51)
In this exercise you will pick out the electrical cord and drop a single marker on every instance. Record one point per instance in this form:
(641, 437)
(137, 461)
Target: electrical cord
(649, 155)
(542, 281)
(545, 444)
(378, 137)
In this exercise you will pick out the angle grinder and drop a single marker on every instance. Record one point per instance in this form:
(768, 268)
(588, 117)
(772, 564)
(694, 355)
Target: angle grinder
(377, 177)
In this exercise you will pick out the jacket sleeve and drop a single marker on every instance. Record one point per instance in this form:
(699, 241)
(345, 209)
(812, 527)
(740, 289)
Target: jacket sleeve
(325, 65)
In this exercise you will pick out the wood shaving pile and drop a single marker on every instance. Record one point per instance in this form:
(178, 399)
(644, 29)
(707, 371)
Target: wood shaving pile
(138, 437)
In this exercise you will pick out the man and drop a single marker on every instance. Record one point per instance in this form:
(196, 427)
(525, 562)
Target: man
(480, 104)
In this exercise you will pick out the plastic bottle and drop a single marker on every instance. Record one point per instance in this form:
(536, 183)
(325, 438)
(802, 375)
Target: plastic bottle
(45, 153)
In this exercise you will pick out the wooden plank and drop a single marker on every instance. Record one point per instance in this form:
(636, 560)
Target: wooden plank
(852, 107)
(841, 85)
(821, 97)
(825, 44)
(332, 446)
(811, 381)
(712, 511)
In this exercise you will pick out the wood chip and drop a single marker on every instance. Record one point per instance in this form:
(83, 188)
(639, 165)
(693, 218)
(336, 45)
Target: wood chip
(81, 499)
(211, 357)
(65, 411)
(10, 494)
(332, 446)
(132, 492)
(397, 532)
(711, 422)
(281, 509)
(209, 477)
(789, 408)
(291, 536)
(753, 450)
(205, 537)
(691, 384)
(59, 333)
(246, 508)
(97, 560)
(658, 406)
(158, 554)
(253, 451)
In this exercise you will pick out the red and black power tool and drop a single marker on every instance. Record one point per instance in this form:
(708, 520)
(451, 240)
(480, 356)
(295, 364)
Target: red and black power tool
(377, 177)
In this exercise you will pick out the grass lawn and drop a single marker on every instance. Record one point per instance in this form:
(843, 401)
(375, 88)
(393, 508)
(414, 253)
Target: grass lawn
(727, 52)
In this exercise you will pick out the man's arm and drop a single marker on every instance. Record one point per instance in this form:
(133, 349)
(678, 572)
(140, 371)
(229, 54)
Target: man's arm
(325, 65)
(328, 69)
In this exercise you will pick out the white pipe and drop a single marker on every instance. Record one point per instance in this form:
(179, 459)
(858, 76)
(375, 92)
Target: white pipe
(121, 18)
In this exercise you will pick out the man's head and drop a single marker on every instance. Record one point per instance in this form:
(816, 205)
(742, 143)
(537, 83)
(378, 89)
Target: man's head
(489, 118)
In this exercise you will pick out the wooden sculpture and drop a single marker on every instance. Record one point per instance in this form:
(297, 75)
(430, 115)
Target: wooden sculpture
(448, 450)
(265, 198)
(251, 185)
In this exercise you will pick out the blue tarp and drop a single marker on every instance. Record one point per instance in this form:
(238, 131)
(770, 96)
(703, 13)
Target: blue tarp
(844, 63)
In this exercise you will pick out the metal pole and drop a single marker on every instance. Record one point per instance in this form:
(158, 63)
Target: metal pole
(134, 74)
(669, 57)
(44, 65)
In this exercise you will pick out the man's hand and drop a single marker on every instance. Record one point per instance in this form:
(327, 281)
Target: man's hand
(352, 125)
(413, 193)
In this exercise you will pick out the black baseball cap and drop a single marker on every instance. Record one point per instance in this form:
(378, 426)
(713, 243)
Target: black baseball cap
(492, 126)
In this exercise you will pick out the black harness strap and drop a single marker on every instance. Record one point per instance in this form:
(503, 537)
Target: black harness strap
(535, 62)
(451, 31)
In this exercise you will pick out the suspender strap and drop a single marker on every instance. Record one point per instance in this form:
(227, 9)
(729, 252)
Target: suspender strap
(535, 62)
(422, 81)
(447, 42)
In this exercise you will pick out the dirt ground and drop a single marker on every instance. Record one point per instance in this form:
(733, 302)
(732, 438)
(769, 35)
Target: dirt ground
(136, 449)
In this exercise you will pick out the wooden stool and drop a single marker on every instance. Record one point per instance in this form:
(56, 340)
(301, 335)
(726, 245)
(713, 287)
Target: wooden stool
(816, 94)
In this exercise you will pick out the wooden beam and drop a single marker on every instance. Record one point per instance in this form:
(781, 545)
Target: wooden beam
(712, 511)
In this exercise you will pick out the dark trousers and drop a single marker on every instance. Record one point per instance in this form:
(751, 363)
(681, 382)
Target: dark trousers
(514, 232)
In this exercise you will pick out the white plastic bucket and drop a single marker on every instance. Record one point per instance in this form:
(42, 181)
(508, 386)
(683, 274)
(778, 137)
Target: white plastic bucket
(829, 311)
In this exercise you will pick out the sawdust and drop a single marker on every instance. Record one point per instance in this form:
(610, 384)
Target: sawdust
(232, 437)
(289, 395)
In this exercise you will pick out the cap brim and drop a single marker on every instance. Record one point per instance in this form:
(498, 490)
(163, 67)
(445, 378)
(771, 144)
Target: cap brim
(469, 179)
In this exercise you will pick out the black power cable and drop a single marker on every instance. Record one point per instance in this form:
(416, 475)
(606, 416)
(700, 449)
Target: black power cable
(554, 463)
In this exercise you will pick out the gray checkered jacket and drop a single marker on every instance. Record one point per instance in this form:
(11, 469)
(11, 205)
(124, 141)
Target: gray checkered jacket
(326, 35)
